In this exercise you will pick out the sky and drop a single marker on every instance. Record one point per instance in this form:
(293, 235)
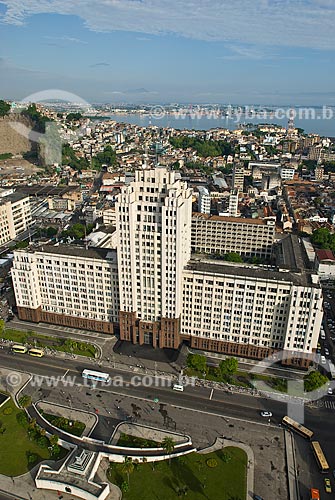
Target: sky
(158, 51)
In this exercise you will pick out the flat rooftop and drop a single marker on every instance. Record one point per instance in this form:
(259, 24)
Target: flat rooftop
(249, 271)
(76, 251)
(220, 218)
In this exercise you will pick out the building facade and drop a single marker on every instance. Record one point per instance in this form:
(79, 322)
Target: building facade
(220, 235)
(249, 312)
(68, 285)
(204, 200)
(15, 216)
(153, 220)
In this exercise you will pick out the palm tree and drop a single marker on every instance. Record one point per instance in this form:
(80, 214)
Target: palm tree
(168, 445)
(127, 466)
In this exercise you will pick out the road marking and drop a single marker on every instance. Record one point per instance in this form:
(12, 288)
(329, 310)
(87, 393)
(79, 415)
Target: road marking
(67, 371)
(211, 394)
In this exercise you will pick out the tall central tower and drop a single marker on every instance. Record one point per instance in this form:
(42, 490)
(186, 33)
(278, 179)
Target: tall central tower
(153, 217)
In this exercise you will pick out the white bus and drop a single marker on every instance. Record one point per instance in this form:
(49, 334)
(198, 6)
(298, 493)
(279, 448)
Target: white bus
(98, 376)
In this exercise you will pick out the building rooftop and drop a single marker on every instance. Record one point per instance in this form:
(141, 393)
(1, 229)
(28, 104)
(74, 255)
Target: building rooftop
(220, 218)
(249, 271)
(77, 251)
(325, 255)
(13, 198)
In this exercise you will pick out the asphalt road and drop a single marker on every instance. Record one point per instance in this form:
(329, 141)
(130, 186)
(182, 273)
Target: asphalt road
(198, 399)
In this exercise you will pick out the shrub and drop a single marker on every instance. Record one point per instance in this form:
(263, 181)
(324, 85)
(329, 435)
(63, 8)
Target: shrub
(7, 411)
(22, 419)
(32, 458)
(124, 487)
(211, 463)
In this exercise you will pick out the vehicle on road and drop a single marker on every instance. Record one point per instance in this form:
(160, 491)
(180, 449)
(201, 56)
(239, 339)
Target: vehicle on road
(326, 351)
(320, 458)
(314, 494)
(177, 387)
(323, 335)
(36, 352)
(257, 497)
(296, 427)
(98, 376)
(328, 488)
(266, 414)
(19, 348)
(330, 391)
(323, 360)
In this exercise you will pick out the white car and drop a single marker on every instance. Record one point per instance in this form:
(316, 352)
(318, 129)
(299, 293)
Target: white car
(266, 414)
(323, 335)
(326, 352)
(323, 360)
(330, 391)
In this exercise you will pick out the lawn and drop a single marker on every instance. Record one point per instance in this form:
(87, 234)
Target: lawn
(71, 426)
(191, 474)
(15, 444)
(56, 343)
(241, 378)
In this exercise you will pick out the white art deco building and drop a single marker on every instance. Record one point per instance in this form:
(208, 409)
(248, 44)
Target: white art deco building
(151, 290)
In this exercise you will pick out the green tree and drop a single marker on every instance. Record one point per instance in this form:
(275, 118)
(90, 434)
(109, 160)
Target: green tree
(321, 237)
(232, 257)
(22, 419)
(4, 108)
(168, 445)
(73, 117)
(105, 157)
(127, 467)
(314, 380)
(228, 367)
(25, 401)
(198, 362)
(53, 440)
(32, 458)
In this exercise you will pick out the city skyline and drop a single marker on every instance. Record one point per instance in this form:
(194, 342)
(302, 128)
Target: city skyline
(264, 52)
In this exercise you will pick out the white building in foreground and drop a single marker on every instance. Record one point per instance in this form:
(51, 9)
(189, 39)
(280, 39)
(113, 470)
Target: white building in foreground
(152, 291)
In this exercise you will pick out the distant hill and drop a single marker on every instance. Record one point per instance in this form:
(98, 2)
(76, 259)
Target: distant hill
(10, 140)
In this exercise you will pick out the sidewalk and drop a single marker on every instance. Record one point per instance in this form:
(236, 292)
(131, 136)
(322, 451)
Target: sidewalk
(293, 482)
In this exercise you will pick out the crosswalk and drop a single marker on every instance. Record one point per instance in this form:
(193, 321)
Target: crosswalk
(330, 405)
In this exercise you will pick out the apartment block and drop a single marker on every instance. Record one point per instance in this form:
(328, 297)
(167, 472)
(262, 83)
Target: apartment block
(204, 201)
(15, 216)
(67, 285)
(220, 235)
(249, 312)
(238, 177)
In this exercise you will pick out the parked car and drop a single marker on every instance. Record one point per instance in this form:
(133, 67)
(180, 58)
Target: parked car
(266, 414)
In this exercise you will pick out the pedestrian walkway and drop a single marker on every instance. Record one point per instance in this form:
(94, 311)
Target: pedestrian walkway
(330, 405)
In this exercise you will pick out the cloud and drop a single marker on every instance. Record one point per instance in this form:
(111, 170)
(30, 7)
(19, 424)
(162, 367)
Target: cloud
(99, 64)
(300, 23)
(66, 38)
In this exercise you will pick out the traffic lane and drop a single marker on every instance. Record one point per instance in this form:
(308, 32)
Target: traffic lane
(24, 363)
(236, 404)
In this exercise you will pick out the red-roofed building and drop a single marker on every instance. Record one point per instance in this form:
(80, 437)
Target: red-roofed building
(325, 264)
